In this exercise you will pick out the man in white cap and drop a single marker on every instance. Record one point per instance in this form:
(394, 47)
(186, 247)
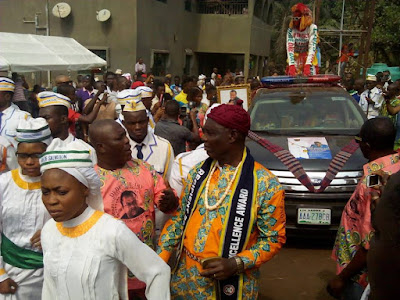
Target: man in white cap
(23, 215)
(147, 95)
(10, 114)
(54, 108)
(372, 98)
(145, 144)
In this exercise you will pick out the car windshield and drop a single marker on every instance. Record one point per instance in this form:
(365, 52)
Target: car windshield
(323, 112)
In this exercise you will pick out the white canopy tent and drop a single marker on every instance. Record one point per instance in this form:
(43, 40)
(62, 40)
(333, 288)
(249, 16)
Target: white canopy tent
(30, 53)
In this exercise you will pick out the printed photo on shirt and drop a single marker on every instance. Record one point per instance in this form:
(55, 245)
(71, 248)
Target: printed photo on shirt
(130, 205)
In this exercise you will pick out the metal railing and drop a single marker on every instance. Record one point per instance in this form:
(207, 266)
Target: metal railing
(223, 7)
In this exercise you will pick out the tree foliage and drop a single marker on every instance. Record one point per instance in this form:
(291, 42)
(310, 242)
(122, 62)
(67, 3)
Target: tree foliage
(385, 46)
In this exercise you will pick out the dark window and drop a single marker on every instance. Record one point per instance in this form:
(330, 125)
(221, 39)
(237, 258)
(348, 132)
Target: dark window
(163, 1)
(188, 5)
(160, 61)
(228, 7)
(188, 64)
(100, 53)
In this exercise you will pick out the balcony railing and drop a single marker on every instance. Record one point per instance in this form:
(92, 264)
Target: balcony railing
(223, 7)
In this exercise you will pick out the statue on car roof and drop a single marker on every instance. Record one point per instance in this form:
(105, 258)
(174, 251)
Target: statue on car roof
(301, 43)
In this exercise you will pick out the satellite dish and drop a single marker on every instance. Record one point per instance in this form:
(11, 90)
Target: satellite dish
(61, 10)
(103, 15)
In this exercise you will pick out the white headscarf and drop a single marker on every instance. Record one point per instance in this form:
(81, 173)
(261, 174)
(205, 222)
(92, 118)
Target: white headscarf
(33, 131)
(75, 159)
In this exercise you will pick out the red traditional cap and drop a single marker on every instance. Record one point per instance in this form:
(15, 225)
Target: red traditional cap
(231, 116)
(136, 84)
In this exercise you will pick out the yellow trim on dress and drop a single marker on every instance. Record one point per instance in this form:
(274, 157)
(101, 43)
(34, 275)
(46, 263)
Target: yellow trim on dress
(81, 229)
(22, 183)
(181, 172)
(167, 164)
(2, 272)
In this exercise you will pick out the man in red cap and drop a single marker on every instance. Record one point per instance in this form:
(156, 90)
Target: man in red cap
(231, 219)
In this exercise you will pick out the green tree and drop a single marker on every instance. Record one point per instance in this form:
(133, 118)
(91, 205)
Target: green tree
(385, 46)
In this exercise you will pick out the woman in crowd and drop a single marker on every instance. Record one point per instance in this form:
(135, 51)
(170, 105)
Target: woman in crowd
(85, 250)
(22, 215)
(194, 97)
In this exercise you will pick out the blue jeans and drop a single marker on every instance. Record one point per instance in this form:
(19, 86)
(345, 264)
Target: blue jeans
(353, 291)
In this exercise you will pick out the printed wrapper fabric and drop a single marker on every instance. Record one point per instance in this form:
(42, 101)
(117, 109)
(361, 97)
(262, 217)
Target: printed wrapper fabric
(203, 233)
(130, 194)
(355, 230)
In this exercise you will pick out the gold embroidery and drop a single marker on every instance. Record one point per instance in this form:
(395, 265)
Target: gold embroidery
(81, 229)
(2, 272)
(22, 183)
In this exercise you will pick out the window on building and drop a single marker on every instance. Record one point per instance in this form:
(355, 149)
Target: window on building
(258, 8)
(228, 7)
(188, 64)
(188, 5)
(102, 52)
(160, 63)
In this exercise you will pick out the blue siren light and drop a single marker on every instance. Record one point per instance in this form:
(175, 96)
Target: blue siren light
(321, 78)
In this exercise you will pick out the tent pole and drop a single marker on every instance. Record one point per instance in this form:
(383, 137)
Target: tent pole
(48, 33)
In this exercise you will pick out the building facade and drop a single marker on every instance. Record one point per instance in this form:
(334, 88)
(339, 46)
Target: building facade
(172, 36)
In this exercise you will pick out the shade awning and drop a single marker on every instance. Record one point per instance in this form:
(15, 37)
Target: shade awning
(30, 52)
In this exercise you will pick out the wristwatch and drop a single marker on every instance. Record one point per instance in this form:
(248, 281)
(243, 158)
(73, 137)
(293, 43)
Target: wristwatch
(240, 265)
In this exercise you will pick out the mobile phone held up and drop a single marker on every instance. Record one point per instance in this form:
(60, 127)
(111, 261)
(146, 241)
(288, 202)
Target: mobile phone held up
(373, 180)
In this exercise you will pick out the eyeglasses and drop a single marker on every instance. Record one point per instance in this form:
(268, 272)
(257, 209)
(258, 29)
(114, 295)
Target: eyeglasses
(29, 155)
(296, 18)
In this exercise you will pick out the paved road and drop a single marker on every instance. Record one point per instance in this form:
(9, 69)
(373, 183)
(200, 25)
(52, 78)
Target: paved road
(300, 271)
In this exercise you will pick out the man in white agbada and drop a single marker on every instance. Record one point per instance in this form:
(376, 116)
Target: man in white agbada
(22, 215)
(87, 252)
(54, 108)
(372, 98)
(145, 145)
(136, 95)
(10, 114)
(184, 162)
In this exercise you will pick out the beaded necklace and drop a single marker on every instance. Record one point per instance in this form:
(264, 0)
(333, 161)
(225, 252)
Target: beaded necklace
(216, 205)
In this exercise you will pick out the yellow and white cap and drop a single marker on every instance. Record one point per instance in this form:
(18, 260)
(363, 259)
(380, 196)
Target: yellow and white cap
(33, 131)
(6, 84)
(371, 77)
(48, 98)
(128, 95)
(133, 106)
(145, 91)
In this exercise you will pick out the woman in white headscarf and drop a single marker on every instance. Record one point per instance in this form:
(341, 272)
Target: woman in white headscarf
(22, 215)
(87, 252)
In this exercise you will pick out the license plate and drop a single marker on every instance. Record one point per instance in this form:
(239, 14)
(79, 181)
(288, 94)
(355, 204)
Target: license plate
(314, 216)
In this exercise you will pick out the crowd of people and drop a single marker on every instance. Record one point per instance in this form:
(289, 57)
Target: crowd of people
(107, 185)
(132, 187)
(378, 95)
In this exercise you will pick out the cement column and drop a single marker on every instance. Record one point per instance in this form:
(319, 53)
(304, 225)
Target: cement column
(246, 65)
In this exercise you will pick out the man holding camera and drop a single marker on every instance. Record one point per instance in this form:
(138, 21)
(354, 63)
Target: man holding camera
(376, 139)
(169, 128)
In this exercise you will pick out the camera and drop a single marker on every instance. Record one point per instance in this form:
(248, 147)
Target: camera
(373, 180)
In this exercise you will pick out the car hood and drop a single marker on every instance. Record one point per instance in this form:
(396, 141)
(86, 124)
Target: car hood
(336, 142)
